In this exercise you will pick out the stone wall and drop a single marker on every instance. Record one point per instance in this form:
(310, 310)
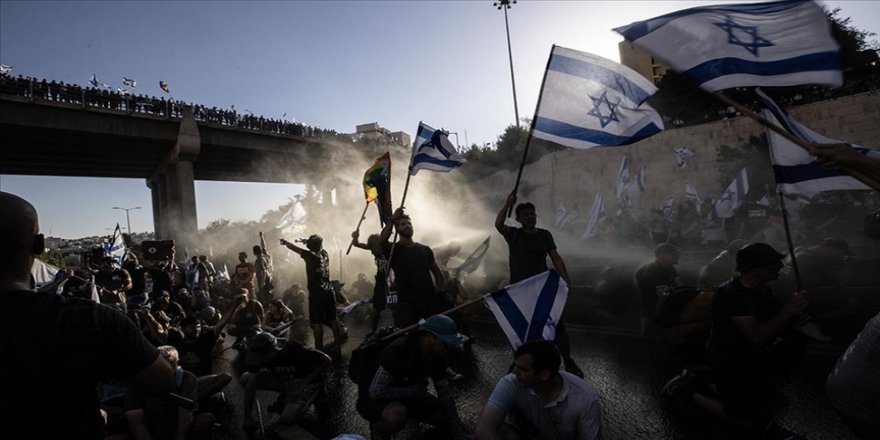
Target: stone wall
(572, 176)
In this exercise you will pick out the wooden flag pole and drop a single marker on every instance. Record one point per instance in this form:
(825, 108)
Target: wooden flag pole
(794, 266)
(871, 181)
(522, 163)
(358, 228)
(416, 325)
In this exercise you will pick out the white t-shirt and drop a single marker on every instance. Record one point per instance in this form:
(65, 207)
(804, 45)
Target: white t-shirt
(575, 414)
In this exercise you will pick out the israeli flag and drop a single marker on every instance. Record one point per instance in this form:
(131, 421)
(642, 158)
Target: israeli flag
(690, 192)
(681, 155)
(732, 196)
(222, 275)
(597, 216)
(796, 169)
(531, 308)
(622, 178)
(641, 180)
(433, 151)
(129, 82)
(783, 43)
(588, 101)
(296, 215)
(116, 247)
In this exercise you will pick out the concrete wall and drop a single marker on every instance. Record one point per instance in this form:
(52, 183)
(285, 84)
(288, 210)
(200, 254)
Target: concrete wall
(575, 176)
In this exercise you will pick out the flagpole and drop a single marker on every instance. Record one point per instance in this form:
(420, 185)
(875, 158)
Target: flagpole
(531, 130)
(358, 228)
(858, 175)
(414, 326)
(402, 201)
(794, 264)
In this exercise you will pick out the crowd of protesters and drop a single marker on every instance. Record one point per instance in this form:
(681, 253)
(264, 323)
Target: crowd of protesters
(128, 101)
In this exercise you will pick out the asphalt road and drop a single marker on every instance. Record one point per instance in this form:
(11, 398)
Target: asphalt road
(626, 371)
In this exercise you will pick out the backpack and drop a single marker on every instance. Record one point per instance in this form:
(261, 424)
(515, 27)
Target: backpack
(364, 363)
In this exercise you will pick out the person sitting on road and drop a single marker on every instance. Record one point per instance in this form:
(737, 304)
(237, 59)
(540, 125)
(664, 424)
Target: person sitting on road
(288, 367)
(276, 315)
(537, 401)
(399, 391)
(245, 322)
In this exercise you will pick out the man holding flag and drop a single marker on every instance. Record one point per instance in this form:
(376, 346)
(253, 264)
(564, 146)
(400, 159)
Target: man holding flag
(529, 248)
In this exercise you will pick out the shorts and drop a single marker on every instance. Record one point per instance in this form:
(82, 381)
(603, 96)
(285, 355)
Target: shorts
(322, 308)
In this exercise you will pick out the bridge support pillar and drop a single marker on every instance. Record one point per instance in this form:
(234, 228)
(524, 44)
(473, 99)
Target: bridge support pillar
(172, 186)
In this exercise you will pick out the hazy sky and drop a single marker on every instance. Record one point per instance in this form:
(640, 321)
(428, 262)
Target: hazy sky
(333, 64)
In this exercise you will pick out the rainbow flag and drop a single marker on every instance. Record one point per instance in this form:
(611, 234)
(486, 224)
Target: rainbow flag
(377, 186)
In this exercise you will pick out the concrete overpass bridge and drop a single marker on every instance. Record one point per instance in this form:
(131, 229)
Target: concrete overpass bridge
(170, 151)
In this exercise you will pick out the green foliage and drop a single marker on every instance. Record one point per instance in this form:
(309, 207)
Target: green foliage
(506, 154)
(52, 257)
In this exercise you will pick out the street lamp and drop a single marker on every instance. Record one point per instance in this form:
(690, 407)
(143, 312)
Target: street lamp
(127, 218)
(504, 5)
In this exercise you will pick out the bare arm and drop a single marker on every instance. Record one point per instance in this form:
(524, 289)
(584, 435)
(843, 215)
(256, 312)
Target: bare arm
(263, 243)
(386, 231)
(764, 333)
(354, 241)
(502, 214)
(489, 422)
(156, 379)
(559, 265)
(293, 247)
(228, 316)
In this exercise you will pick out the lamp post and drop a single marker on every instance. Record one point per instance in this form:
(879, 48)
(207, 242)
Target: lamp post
(504, 5)
(127, 218)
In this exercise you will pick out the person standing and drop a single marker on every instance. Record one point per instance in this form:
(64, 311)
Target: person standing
(417, 294)
(322, 301)
(656, 279)
(380, 288)
(243, 276)
(57, 349)
(529, 247)
(263, 267)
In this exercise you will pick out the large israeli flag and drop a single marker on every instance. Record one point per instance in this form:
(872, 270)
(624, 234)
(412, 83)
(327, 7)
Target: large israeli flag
(782, 43)
(588, 101)
(796, 170)
(732, 196)
(531, 308)
(433, 151)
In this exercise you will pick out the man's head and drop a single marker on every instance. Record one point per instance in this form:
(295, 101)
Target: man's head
(203, 258)
(242, 257)
(314, 243)
(436, 333)
(536, 362)
(526, 215)
(19, 238)
(107, 263)
(258, 250)
(163, 297)
(373, 241)
(262, 348)
(404, 226)
(191, 327)
(759, 260)
(170, 354)
(666, 254)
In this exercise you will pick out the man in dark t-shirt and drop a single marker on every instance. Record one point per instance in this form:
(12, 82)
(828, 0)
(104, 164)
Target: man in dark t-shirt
(529, 248)
(381, 289)
(322, 301)
(55, 349)
(655, 279)
(113, 283)
(288, 367)
(413, 266)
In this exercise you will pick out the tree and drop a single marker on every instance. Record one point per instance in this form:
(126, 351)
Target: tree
(753, 154)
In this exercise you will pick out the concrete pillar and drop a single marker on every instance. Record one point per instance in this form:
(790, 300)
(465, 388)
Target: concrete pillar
(172, 186)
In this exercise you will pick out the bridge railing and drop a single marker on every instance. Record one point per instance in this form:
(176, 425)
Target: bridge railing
(120, 100)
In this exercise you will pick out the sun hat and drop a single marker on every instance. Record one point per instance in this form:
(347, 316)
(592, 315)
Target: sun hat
(443, 327)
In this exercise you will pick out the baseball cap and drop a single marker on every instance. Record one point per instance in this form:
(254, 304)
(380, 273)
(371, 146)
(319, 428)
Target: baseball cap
(756, 255)
(443, 327)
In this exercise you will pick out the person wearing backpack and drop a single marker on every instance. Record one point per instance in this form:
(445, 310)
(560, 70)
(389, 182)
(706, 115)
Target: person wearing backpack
(398, 391)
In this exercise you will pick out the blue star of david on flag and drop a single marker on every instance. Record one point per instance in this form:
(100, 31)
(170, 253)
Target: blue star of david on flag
(744, 36)
(597, 110)
(727, 196)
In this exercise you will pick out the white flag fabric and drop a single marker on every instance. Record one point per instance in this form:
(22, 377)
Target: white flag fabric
(690, 192)
(473, 261)
(622, 178)
(597, 216)
(129, 82)
(295, 215)
(116, 247)
(561, 213)
(433, 151)
(783, 43)
(796, 169)
(94, 296)
(732, 196)
(668, 208)
(588, 101)
(5, 70)
(223, 275)
(531, 308)
(681, 155)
